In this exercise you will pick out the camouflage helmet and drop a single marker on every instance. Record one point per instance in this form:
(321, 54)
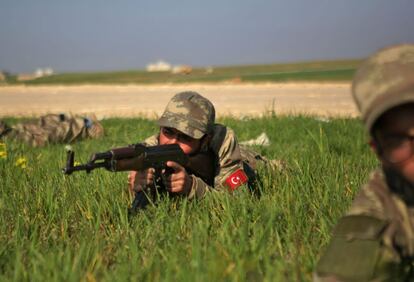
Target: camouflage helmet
(190, 113)
(385, 80)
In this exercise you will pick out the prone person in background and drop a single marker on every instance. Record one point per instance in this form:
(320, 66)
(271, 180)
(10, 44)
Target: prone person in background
(189, 121)
(53, 128)
(375, 240)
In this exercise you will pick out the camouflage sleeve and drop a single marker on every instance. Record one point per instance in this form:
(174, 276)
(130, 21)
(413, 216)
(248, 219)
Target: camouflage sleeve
(199, 188)
(354, 251)
(225, 146)
(361, 245)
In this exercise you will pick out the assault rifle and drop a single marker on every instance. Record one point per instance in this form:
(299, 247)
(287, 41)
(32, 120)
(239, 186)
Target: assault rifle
(140, 157)
(132, 157)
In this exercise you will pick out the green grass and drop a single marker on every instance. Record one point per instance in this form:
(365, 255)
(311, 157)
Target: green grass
(76, 228)
(339, 70)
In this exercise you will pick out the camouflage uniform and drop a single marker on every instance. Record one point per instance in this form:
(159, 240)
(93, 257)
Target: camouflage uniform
(54, 128)
(194, 115)
(375, 240)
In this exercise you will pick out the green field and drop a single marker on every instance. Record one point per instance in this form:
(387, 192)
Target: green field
(57, 228)
(339, 70)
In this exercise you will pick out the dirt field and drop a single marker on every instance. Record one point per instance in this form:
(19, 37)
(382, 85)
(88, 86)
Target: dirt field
(322, 99)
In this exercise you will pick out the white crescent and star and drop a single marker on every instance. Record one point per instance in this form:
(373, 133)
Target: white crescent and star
(235, 180)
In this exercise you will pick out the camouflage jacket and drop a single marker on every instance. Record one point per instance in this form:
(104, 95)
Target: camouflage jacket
(229, 158)
(56, 128)
(374, 241)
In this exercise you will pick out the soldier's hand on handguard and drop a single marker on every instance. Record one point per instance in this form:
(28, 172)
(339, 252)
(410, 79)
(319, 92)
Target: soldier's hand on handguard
(138, 180)
(179, 181)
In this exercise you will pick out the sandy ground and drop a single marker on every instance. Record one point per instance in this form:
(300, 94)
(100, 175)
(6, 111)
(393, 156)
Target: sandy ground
(322, 99)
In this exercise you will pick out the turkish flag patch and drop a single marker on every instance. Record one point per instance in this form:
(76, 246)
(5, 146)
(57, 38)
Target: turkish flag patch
(236, 179)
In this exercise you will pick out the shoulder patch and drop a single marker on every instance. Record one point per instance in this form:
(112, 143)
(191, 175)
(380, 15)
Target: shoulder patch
(236, 179)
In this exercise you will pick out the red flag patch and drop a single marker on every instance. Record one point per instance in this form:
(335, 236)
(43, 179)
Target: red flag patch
(236, 179)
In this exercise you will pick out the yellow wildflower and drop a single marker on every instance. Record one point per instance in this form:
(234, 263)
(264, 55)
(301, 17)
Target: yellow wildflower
(21, 162)
(3, 151)
(76, 163)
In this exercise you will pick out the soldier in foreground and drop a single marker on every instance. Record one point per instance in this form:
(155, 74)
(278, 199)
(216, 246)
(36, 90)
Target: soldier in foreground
(189, 121)
(53, 128)
(375, 240)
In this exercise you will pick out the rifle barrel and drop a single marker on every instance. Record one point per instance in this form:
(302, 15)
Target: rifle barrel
(87, 167)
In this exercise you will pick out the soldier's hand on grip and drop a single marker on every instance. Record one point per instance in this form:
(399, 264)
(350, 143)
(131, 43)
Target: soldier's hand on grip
(139, 180)
(179, 181)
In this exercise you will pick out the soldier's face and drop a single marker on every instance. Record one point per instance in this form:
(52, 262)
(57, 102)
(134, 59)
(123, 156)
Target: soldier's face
(395, 141)
(170, 135)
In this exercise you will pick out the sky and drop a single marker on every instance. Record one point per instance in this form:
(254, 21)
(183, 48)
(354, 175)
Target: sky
(103, 35)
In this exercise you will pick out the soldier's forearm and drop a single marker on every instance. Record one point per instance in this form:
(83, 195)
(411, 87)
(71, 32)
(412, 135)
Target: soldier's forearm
(198, 188)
